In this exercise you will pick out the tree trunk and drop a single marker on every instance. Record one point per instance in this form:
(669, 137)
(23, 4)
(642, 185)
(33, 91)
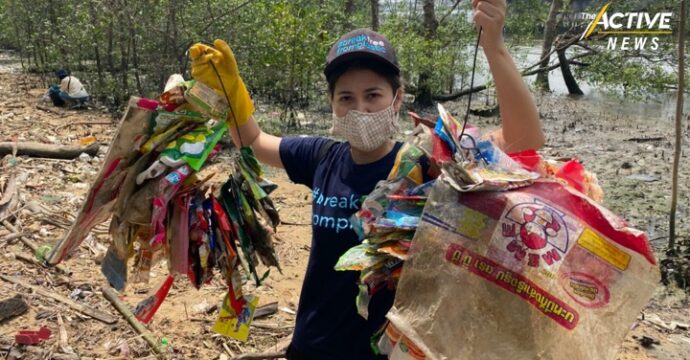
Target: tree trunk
(133, 49)
(96, 47)
(52, 19)
(15, 26)
(42, 46)
(413, 12)
(679, 130)
(424, 96)
(568, 77)
(124, 53)
(375, 15)
(52, 151)
(33, 48)
(135, 62)
(549, 36)
(111, 61)
(349, 12)
(124, 67)
(168, 45)
(180, 56)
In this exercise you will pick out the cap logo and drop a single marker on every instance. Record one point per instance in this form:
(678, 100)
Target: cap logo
(359, 42)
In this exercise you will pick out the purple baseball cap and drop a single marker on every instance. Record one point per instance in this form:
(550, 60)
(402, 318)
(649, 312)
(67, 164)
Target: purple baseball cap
(361, 44)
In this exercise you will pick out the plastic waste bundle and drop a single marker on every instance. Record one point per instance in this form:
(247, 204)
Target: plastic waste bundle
(390, 215)
(510, 256)
(159, 207)
(388, 221)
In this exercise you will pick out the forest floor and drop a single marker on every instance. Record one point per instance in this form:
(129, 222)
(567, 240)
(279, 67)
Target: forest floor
(631, 157)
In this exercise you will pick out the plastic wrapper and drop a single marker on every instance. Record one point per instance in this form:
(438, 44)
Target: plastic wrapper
(178, 236)
(520, 273)
(360, 257)
(193, 147)
(251, 229)
(101, 197)
(147, 308)
(569, 172)
(173, 93)
(236, 316)
(206, 100)
(169, 132)
(162, 119)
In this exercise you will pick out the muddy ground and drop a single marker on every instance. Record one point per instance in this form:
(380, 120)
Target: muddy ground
(630, 155)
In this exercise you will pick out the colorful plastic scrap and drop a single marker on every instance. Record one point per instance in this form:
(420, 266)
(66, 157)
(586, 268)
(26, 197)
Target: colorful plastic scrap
(32, 337)
(390, 215)
(161, 209)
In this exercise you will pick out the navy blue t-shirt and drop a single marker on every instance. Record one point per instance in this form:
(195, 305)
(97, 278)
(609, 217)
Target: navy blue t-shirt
(328, 325)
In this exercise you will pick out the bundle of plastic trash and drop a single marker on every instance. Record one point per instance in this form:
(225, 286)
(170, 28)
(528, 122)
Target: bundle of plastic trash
(159, 207)
(389, 216)
(511, 254)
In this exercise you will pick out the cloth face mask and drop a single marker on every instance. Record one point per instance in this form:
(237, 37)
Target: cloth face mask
(367, 131)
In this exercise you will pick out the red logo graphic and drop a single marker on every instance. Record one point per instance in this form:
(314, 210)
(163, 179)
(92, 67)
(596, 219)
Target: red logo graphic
(538, 232)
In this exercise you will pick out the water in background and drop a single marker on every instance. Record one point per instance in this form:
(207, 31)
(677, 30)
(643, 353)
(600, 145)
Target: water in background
(655, 106)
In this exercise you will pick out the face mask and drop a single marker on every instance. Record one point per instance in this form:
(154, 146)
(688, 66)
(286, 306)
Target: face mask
(367, 131)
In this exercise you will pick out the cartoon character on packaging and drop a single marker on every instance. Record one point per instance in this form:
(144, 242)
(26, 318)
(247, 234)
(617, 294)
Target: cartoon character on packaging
(539, 225)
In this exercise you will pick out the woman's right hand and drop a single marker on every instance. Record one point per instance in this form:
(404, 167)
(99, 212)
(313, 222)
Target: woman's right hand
(490, 15)
(226, 75)
(216, 67)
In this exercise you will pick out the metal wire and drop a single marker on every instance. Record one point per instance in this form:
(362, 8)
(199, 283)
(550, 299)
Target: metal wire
(239, 136)
(474, 68)
(469, 103)
(222, 85)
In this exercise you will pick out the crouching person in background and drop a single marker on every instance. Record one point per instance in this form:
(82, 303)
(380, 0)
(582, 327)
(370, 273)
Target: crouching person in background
(70, 93)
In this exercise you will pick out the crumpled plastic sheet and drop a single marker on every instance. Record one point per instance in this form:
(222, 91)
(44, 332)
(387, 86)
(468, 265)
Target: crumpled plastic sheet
(538, 272)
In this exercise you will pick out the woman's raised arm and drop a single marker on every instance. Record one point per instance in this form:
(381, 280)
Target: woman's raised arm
(520, 125)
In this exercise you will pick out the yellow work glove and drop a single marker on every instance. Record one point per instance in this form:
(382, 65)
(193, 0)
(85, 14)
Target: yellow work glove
(223, 59)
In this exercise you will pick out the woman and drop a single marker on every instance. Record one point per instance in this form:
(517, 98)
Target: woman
(365, 93)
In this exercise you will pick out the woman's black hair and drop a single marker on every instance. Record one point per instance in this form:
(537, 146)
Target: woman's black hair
(392, 77)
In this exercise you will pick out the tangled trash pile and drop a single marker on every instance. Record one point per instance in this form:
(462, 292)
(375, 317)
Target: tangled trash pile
(390, 215)
(160, 208)
(512, 251)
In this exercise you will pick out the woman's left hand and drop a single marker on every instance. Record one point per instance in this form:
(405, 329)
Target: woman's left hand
(490, 15)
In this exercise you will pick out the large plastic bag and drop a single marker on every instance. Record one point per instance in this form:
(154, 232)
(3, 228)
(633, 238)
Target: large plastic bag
(541, 272)
(102, 195)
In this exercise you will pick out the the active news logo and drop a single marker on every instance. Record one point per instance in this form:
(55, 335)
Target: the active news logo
(629, 30)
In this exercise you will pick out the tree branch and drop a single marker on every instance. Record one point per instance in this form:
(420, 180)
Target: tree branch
(455, 5)
(53, 151)
(461, 93)
(231, 12)
(560, 44)
(554, 66)
(524, 72)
